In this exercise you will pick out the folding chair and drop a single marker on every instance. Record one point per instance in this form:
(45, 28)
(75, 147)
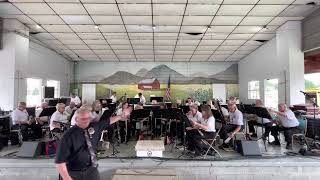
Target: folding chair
(211, 143)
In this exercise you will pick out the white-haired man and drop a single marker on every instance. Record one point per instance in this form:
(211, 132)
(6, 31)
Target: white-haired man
(59, 116)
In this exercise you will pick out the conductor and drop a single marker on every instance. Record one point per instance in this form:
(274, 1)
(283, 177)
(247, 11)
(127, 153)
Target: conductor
(76, 155)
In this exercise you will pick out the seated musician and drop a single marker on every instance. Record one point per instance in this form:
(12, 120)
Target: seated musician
(43, 119)
(59, 116)
(287, 123)
(234, 125)
(122, 122)
(194, 115)
(142, 98)
(202, 130)
(74, 98)
(210, 104)
(138, 106)
(189, 102)
(97, 111)
(20, 120)
(69, 109)
(266, 122)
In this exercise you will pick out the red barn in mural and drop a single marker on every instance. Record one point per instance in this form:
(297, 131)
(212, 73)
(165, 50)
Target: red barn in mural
(149, 84)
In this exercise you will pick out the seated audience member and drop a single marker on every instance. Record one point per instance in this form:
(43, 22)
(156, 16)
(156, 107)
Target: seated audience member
(255, 121)
(189, 102)
(20, 120)
(43, 119)
(287, 123)
(142, 98)
(97, 111)
(72, 107)
(114, 97)
(234, 125)
(194, 115)
(204, 130)
(75, 99)
(59, 116)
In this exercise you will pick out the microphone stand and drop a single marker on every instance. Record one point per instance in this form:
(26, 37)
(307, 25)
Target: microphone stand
(114, 150)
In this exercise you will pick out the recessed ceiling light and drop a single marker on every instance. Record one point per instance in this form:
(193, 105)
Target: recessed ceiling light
(209, 28)
(96, 26)
(38, 26)
(153, 26)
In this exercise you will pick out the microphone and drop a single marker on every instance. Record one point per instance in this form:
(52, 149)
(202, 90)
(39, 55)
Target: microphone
(303, 92)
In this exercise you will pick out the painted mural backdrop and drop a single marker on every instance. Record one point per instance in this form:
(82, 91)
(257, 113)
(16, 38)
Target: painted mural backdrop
(187, 80)
(312, 84)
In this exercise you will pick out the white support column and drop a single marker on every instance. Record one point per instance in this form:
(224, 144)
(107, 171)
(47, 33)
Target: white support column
(289, 53)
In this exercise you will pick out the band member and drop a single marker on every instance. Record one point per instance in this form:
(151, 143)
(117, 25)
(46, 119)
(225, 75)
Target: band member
(97, 110)
(122, 122)
(267, 123)
(43, 119)
(210, 104)
(114, 97)
(142, 98)
(287, 123)
(189, 102)
(194, 115)
(235, 123)
(20, 120)
(76, 154)
(138, 106)
(75, 99)
(59, 116)
(203, 130)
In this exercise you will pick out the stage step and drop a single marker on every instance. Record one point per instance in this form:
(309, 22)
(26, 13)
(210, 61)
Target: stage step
(144, 174)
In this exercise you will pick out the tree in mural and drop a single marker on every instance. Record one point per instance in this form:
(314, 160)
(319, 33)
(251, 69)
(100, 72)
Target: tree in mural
(309, 84)
(200, 94)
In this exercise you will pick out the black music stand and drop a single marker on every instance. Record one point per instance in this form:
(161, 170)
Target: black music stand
(133, 100)
(139, 114)
(185, 109)
(249, 109)
(48, 111)
(158, 99)
(31, 111)
(262, 112)
(53, 102)
(186, 123)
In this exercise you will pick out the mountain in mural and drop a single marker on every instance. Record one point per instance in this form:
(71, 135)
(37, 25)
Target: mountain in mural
(230, 75)
(122, 77)
(199, 74)
(162, 73)
(142, 72)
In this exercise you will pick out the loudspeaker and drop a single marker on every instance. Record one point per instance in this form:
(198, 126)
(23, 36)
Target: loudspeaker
(248, 148)
(30, 149)
(48, 92)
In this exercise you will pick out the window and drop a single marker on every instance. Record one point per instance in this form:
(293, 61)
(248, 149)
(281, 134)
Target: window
(253, 90)
(56, 85)
(34, 93)
(271, 93)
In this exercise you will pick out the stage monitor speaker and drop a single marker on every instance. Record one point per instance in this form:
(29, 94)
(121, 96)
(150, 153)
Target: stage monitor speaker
(48, 92)
(30, 149)
(249, 148)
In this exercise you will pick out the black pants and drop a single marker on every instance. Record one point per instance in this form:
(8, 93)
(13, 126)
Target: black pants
(288, 132)
(194, 139)
(227, 128)
(35, 133)
(267, 127)
(91, 173)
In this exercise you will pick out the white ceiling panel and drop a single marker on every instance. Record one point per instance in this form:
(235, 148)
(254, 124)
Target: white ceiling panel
(267, 10)
(57, 28)
(96, 42)
(135, 9)
(193, 29)
(98, 46)
(142, 42)
(234, 10)
(44, 36)
(240, 1)
(263, 36)
(187, 42)
(228, 48)
(34, 8)
(98, 1)
(119, 41)
(168, 29)
(68, 8)
(167, 47)
(168, 9)
(144, 52)
(138, 20)
(134, 1)
(306, 1)
(102, 9)
(47, 19)
(247, 29)
(77, 19)
(222, 29)
(205, 1)
(139, 28)
(126, 56)
(206, 48)
(82, 52)
(240, 36)
(78, 46)
(169, 1)
(146, 56)
(201, 9)
(7, 9)
(298, 10)
(103, 52)
(242, 52)
(71, 41)
(256, 21)
(107, 19)
(91, 36)
(275, 1)
(233, 42)
(121, 47)
(253, 43)
(247, 48)
(184, 56)
(211, 42)
(22, 18)
(183, 52)
(112, 28)
(64, 36)
(164, 42)
(142, 47)
(227, 20)
(167, 20)
(203, 52)
(214, 36)
(223, 52)
(277, 21)
(197, 20)
(84, 28)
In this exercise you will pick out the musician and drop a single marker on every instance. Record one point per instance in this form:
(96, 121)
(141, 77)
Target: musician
(138, 106)
(142, 98)
(97, 110)
(189, 102)
(20, 120)
(267, 123)
(287, 123)
(203, 130)
(114, 97)
(74, 98)
(76, 154)
(194, 115)
(235, 123)
(210, 104)
(43, 119)
(59, 115)
(72, 107)
(122, 122)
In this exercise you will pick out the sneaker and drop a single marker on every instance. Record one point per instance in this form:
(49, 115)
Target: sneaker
(289, 146)
(275, 143)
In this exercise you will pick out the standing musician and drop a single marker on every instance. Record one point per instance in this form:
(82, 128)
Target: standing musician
(113, 97)
(142, 98)
(194, 115)
(76, 154)
(287, 123)
(235, 123)
(203, 130)
(122, 122)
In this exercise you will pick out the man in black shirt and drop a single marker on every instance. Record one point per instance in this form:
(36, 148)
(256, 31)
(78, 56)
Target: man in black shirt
(76, 155)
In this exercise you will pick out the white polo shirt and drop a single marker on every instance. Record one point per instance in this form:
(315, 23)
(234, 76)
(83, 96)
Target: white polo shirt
(57, 116)
(114, 98)
(236, 117)
(197, 117)
(211, 124)
(76, 100)
(290, 120)
(18, 115)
